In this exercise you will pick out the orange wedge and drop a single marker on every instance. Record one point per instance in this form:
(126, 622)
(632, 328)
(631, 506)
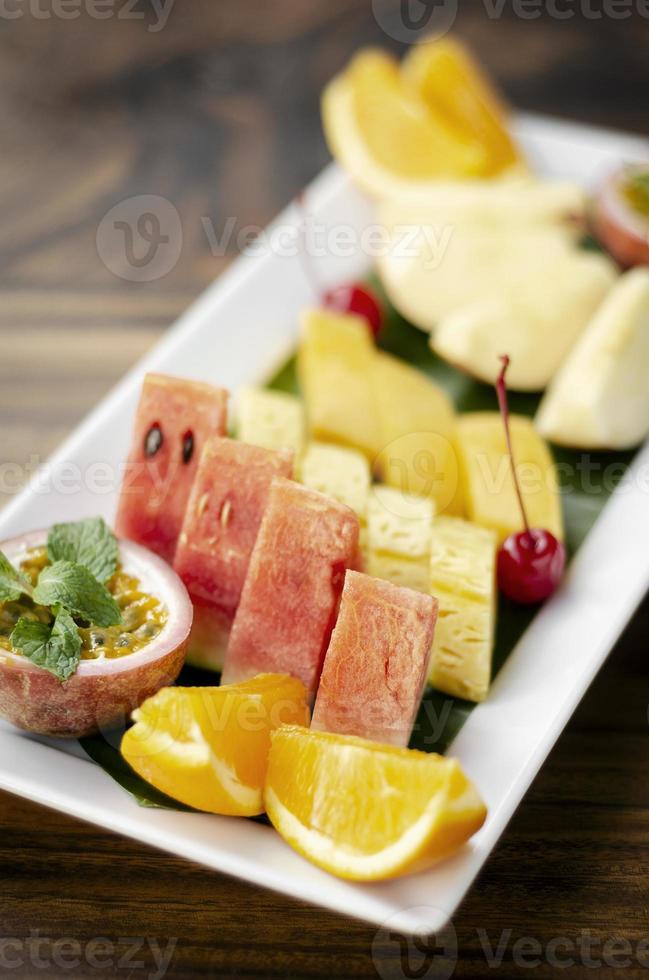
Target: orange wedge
(444, 75)
(364, 811)
(385, 135)
(208, 746)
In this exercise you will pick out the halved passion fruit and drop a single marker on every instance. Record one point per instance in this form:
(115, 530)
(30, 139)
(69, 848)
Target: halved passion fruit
(621, 215)
(106, 687)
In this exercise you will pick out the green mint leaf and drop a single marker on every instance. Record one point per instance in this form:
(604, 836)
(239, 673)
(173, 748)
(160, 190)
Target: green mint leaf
(75, 588)
(12, 582)
(90, 543)
(55, 648)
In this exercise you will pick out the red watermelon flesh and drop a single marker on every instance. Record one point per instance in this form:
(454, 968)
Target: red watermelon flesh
(222, 519)
(290, 597)
(376, 666)
(174, 420)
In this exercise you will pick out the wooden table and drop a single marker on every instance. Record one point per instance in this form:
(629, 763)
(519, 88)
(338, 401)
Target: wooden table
(218, 112)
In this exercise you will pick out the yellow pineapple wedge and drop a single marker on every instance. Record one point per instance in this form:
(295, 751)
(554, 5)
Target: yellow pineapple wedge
(488, 487)
(463, 580)
(417, 424)
(270, 419)
(343, 474)
(396, 545)
(335, 359)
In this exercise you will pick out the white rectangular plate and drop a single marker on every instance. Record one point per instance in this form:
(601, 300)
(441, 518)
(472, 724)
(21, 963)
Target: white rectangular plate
(239, 331)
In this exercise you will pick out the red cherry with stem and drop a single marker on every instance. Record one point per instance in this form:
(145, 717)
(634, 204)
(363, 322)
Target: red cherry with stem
(351, 297)
(530, 563)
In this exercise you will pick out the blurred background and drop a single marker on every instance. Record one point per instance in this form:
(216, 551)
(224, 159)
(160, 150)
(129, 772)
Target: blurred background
(212, 104)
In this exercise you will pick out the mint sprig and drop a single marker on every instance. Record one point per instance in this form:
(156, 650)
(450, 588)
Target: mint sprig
(56, 648)
(75, 588)
(84, 554)
(13, 584)
(90, 543)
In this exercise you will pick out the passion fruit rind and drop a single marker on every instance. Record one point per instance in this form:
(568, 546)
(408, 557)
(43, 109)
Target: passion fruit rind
(103, 693)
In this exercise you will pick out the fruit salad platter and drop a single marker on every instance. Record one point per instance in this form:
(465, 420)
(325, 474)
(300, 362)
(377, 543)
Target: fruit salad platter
(375, 519)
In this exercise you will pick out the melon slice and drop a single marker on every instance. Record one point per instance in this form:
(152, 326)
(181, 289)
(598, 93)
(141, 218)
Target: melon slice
(488, 488)
(463, 579)
(174, 420)
(288, 605)
(218, 534)
(271, 419)
(377, 662)
(417, 422)
(335, 360)
(343, 474)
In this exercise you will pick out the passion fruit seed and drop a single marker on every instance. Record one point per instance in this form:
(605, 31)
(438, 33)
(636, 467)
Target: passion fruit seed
(153, 440)
(188, 446)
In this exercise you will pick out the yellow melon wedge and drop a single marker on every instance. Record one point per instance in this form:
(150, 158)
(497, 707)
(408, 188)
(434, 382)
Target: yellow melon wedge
(365, 811)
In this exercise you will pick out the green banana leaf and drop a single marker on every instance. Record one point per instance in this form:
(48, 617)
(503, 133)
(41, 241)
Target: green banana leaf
(441, 716)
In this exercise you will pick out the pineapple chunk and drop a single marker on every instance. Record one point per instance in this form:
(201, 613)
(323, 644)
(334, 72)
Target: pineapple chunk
(463, 559)
(396, 545)
(340, 473)
(463, 580)
(410, 573)
(270, 419)
(460, 664)
(488, 487)
(399, 523)
(417, 422)
(334, 362)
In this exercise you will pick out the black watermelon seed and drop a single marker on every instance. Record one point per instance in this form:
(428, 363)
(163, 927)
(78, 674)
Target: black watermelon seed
(188, 446)
(153, 440)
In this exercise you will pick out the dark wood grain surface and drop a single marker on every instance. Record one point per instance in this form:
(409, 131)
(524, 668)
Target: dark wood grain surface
(217, 112)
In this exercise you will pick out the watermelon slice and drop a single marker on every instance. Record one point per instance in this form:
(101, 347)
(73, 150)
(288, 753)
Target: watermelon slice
(174, 420)
(290, 596)
(223, 515)
(377, 663)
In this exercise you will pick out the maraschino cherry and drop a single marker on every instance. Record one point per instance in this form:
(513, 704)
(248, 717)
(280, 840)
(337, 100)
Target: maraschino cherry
(531, 562)
(351, 297)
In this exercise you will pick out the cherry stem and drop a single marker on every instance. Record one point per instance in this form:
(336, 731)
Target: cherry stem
(501, 391)
(305, 258)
